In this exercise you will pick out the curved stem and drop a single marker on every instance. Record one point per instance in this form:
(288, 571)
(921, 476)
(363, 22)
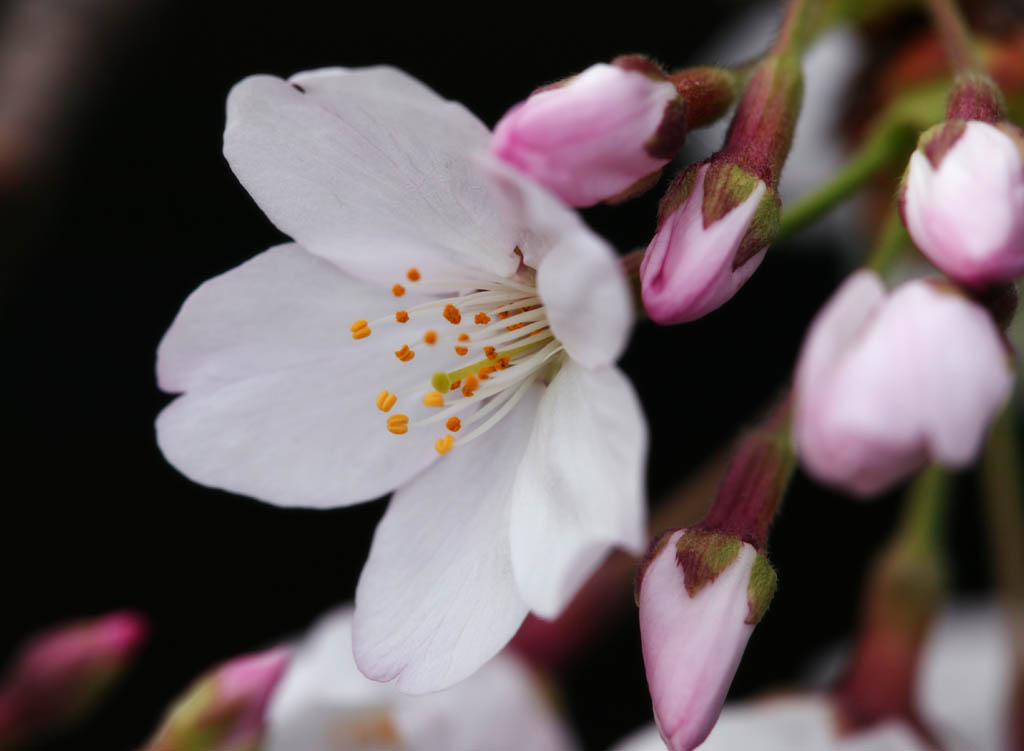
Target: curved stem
(892, 241)
(956, 36)
(881, 149)
(1004, 510)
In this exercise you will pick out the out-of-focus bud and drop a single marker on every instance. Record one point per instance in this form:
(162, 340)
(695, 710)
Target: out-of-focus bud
(702, 590)
(602, 135)
(887, 382)
(718, 217)
(226, 708)
(61, 675)
(700, 595)
(962, 195)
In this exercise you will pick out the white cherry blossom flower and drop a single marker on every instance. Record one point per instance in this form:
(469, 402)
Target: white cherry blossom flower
(441, 327)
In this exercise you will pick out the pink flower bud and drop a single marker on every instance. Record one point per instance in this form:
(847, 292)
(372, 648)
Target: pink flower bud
(700, 595)
(60, 675)
(226, 708)
(597, 135)
(887, 382)
(715, 223)
(963, 200)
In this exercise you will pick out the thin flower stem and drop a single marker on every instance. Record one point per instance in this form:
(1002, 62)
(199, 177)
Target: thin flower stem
(955, 34)
(922, 528)
(893, 240)
(883, 148)
(1003, 483)
(798, 25)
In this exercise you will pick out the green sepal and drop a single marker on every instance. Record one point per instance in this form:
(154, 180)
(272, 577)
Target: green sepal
(726, 186)
(678, 192)
(703, 555)
(761, 589)
(763, 229)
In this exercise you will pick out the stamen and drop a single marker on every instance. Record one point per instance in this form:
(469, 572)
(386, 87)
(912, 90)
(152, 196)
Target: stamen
(455, 385)
(405, 354)
(452, 314)
(460, 351)
(413, 274)
(485, 372)
(481, 319)
(386, 400)
(398, 424)
(491, 353)
(430, 337)
(444, 445)
(398, 290)
(401, 316)
(453, 424)
(463, 337)
(360, 329)
(471, 385)
(433, 399)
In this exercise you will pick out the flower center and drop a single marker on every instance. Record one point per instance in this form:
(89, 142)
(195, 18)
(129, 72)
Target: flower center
(499, 326)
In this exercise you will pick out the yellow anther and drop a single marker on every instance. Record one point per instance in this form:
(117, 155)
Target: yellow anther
(413, 275)
(452, 314)
(481, 318)
(485, 371)
(360, 329)
(398, 290)
(430, 337)
(444, 445)
(460, 351)
(405, 354)
(490, 353)
(386, 400)
(453, 424)
(433, 399)
(455, 385)
(401, 316)
(398, 424)
(463, 337)
(471, 386)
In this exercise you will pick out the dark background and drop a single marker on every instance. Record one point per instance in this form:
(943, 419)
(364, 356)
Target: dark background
(135, 206)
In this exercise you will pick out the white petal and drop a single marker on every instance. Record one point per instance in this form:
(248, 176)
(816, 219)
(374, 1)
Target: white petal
(437, 597)
(500, 708)
(284, 308)
(323, 695)
(969, 646)
(369, 169)
(581, 486)
(281, 399)
(587, 300)
(324, 703)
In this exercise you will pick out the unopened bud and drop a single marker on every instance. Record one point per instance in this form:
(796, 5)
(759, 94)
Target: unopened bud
(962, 199)
(718, 217)
(61, 675)
(700, 594)
(887, 382)
(226, 708)
(597, 135)
(714, 226)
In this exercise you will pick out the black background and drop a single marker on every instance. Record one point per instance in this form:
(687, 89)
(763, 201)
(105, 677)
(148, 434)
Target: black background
(141, 207)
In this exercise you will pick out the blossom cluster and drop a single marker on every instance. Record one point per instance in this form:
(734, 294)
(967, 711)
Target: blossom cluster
(443, 327)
